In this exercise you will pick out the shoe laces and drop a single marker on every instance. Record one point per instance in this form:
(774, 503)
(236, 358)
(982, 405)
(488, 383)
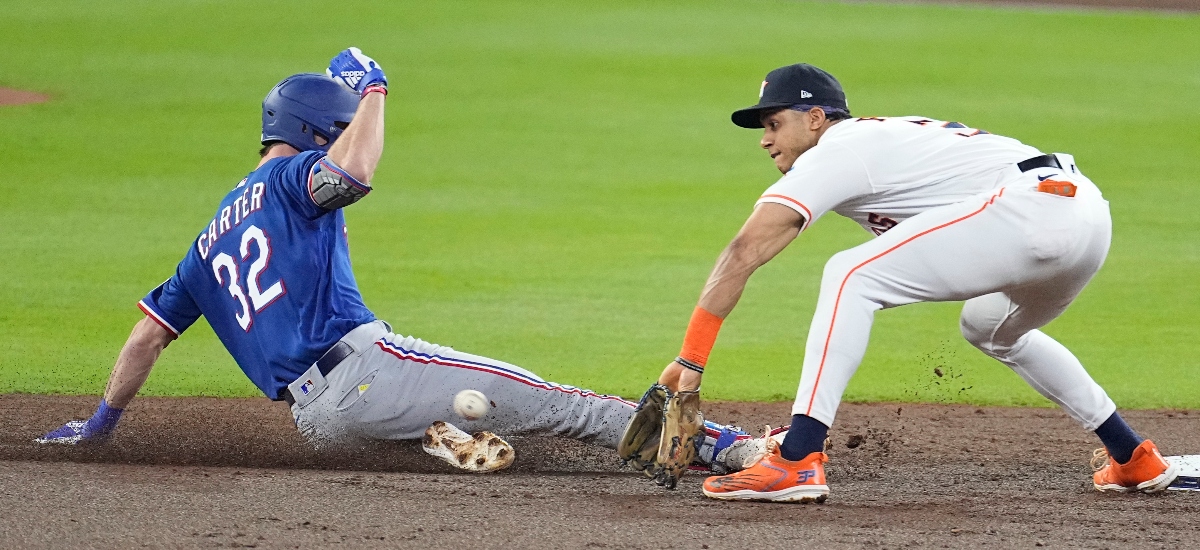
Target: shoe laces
(771, 444)
(1100, 459)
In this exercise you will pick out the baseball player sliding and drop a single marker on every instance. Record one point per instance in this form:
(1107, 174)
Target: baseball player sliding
(271, 274)
(958, 214)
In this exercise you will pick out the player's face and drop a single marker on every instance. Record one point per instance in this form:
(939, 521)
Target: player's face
(787, 134)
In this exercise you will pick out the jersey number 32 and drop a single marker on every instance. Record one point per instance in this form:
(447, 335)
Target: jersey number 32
(258, 297)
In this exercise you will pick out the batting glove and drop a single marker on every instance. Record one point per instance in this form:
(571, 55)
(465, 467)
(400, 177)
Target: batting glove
(357, 71)
(96, 429)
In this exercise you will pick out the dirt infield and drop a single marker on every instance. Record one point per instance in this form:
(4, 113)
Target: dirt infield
(9, 96)
(190, 472)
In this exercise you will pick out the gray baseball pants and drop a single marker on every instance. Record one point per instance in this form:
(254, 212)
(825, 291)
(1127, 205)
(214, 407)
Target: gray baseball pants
(394, 387)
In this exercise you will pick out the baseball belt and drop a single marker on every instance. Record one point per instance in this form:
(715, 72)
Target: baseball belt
(325, 364)
(1040, 161)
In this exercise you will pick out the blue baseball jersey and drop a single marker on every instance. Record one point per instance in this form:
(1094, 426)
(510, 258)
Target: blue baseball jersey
(271, 274)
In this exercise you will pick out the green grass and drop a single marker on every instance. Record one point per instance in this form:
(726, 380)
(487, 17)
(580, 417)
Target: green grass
(559, 179)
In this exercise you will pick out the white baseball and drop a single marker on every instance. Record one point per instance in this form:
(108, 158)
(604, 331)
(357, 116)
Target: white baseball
(471, 404)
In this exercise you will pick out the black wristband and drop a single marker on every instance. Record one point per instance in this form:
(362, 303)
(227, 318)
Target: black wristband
(690, 365)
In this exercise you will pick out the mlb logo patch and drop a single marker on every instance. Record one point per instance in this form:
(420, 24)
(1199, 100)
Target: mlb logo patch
(306, 387)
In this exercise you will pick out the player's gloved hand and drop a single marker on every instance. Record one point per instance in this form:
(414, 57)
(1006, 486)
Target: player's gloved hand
(357, 71)
(639, 444)
(682, 434)
(96, 429)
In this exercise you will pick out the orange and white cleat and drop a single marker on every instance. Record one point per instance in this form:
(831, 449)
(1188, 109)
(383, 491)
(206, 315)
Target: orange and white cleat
(774, 479)
(1147, 471)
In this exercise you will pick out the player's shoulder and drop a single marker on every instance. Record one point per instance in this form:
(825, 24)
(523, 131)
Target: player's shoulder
(304, 159)
(287, 171)
(866, 134)
(873, 125)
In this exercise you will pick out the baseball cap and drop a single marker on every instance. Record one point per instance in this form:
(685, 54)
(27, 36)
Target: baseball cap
(799, 84)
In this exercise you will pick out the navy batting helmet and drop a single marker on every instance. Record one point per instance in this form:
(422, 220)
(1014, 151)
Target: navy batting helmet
(307, 111)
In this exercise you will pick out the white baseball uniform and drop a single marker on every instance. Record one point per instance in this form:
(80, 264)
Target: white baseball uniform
(956, 219)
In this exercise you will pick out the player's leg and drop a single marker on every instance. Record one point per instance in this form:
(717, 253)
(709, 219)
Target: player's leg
(1004, 327)
(397, 387)
(411, 383)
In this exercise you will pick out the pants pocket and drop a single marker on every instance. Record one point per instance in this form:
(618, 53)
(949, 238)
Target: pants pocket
(357, 393)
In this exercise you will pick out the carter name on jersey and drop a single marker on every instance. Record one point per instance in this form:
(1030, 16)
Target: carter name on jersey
(231, 216)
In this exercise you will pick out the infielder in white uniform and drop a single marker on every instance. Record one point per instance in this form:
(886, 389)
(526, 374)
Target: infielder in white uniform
(958, 214)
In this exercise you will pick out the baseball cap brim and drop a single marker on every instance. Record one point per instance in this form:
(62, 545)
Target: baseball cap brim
(749, 117)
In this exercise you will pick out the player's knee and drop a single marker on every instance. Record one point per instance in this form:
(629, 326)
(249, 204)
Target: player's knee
(839, 268)
(980, 328)
(986, 334)
(845, 276)
(978, 334)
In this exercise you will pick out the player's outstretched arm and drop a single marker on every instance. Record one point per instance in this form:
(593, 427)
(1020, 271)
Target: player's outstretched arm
(358, 149)
(770, 228)
(766, 233)
(137, 357)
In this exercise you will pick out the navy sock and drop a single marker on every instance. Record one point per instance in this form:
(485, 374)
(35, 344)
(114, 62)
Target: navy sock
(807, 435)
(1118, 438)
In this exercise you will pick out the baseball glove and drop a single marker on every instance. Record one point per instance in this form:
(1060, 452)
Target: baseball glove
(639, 445)
(662, 437)
(682, 434)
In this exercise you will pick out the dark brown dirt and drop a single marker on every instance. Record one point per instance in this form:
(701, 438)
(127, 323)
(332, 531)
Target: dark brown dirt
(193, 472)
(9, 96)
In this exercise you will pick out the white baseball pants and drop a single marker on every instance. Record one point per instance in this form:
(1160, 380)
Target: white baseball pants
(1017, 256)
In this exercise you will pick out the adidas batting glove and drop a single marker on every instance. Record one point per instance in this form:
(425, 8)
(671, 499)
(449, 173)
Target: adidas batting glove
(96, 429)
(357, 71)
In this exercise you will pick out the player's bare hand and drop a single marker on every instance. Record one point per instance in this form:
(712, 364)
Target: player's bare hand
(677, 378)
(357, 71)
